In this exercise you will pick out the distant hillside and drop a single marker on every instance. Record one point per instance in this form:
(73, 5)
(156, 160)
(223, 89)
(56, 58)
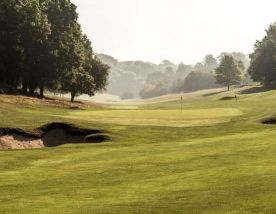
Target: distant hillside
(131, 79)
(131, 76)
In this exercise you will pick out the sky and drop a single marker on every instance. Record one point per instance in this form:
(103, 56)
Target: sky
(177, 30)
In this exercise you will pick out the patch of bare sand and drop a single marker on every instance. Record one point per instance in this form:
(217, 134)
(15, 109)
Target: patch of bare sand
(54, 137)
(15, 141)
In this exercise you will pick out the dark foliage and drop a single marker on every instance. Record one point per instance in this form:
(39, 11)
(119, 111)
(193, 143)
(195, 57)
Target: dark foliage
(42, 46)
(263, 59)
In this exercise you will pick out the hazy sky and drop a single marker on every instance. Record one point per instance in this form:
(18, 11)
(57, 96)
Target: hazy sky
(178, 30)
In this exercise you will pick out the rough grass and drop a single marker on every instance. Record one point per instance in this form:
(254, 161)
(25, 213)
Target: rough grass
(227, 167)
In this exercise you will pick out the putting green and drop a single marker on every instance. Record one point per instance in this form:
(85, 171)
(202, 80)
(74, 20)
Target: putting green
(170, 118)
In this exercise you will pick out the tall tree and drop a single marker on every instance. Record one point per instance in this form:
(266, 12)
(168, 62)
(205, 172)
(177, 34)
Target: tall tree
(229, 71)
(10, 50)
(35, 30)
(88, 75)
(263, 60)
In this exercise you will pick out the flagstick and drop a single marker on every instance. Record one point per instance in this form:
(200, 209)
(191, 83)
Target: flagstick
(181, 103)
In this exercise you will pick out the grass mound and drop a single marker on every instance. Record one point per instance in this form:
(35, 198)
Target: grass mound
(51, 101)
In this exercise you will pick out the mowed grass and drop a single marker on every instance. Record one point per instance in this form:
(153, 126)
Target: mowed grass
(153, 164)
(170, 117)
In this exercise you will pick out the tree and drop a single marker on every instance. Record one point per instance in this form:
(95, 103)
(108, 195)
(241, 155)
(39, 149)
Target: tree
(87, 74)
(35, 31)
(76, 77)
(100, 73)
(263, 60)
(210, 63)
(80, 82)
(183, 70)
(229, 71)
(166, 63)
(197, 80)
(199, 67)
(239, 56)
(24, 33)
(10, 49)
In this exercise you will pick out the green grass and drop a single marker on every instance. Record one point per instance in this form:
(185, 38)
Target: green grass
(214, 157)
(169, 117)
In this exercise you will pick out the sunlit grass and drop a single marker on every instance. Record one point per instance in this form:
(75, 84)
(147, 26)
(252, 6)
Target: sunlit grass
(151, 167)
(172, 118)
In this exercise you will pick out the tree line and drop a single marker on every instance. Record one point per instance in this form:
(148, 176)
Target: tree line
(229, 70)
(130, 79)
(42, 46)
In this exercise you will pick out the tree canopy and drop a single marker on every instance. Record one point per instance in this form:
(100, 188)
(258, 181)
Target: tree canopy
(42, 46)
(263, 59)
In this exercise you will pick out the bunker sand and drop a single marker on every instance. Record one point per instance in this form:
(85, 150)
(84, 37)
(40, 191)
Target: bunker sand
(52, 135)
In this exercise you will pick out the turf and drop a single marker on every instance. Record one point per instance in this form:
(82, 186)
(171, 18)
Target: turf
(172, 118)
(222, 160)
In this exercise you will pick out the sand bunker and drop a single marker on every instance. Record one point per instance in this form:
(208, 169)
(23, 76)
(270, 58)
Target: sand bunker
(51, 135)
(19, 142)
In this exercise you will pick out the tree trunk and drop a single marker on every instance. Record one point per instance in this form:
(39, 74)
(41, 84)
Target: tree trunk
(228, 87)
(32, 91)
(16, 82)
(73, 94)
(25, 87)
(41, 89)
(32, 88)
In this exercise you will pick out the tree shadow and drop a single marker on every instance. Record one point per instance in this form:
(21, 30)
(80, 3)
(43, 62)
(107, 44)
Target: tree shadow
(211, 94)
(258, 89)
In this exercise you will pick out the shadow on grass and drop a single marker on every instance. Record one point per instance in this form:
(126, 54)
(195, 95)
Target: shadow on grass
(269, 121)
(258, 89)
(227, 98)
(211, 94)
